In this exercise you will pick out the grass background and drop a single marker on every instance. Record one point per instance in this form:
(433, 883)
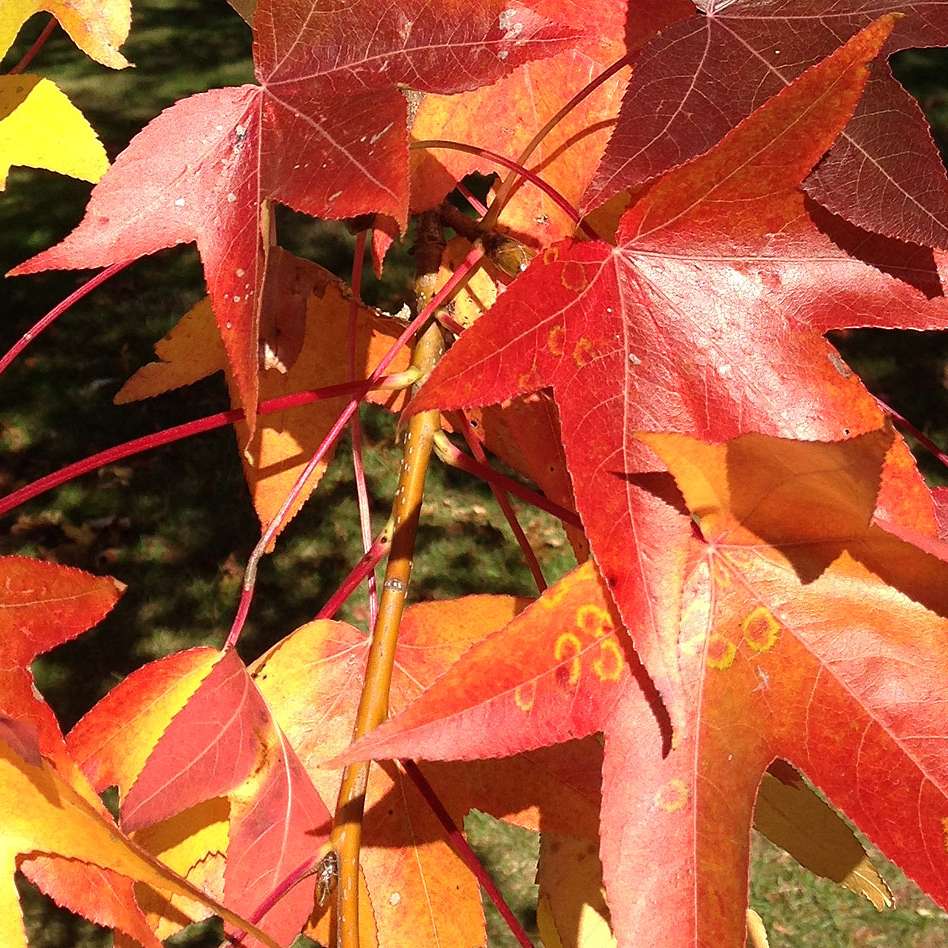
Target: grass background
(178, 538)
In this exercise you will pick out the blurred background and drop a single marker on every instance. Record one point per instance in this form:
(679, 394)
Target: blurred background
(179, 537)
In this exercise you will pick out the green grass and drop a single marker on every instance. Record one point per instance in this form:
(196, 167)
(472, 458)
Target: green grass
(179, 538)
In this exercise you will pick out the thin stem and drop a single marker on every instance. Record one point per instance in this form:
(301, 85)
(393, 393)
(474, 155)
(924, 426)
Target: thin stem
(471, 199)
(508, 185)
(358, 468)
(406, 511)
(38, 44)
(363, 568)
(250, 573)
(530, 176)
(455, 457)
(464, 852)
(188, 430)
(503, 501)
(303, 870)
(919, 436)
(43, 324)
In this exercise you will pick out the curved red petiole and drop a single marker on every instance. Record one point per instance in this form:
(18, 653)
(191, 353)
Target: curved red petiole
(43, 324)
(186, 430)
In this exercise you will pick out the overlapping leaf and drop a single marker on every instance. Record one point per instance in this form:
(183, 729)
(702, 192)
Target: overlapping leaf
(199, 718)
(97, 27)
(324, 133)
(45, 814)
(883, 174)
(808, 634)
(219, 742)
(710, 310)
(43, 605)
(309, 307)
(513, 109)
(41, 128)
(419, 890)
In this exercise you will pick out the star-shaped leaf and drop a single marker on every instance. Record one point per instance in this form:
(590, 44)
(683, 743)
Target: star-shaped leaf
(708, 312)
(808, 634)
(324, 132)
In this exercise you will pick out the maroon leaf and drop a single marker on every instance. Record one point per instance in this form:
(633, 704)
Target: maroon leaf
(700, 78)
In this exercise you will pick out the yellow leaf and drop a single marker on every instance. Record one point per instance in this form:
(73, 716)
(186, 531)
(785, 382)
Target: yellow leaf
(793, 817)
(44, 814)
(97, 27)
(572, 912)
(41, 128)
(193, 844)
(309, 310)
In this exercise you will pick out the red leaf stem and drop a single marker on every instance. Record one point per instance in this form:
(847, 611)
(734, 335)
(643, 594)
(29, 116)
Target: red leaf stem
(43, 324)
(464, 852)
(363, 568)
(503, 501)
(471, 199)
(455, 457)
(250, 573)
(358, 468)
(509, 184)
(525, 173)
(919, 436)
(186, 430)
(34, 50)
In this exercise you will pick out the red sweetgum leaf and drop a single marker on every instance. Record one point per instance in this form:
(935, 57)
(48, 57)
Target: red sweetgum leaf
(324, 132)
(709, 311)
(883, 174)
(298, 294)
(222, 742)
(808, 634)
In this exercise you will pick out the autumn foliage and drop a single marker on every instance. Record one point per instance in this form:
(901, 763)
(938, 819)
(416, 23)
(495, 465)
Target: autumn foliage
(687, 198)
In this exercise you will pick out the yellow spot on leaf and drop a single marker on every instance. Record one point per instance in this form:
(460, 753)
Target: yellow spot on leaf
(944, 828)
(761, 629)
(554, 341)
(525, 695)
(720, 652)
(608, 666)
(672, 796)
(583, 353)
(569, 643)
(594, 620)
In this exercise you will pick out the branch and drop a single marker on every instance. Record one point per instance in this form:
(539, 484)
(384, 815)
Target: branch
(406, 509)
